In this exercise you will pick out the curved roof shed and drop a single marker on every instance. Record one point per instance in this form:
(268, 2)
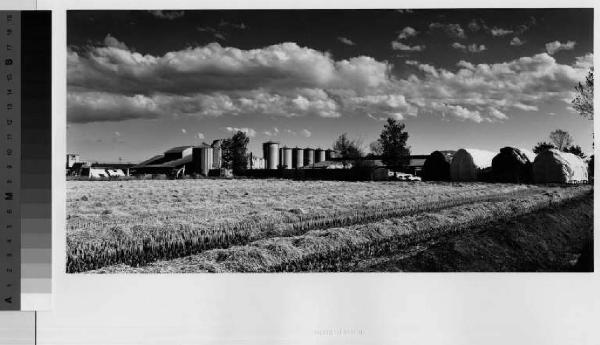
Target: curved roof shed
(470, 164)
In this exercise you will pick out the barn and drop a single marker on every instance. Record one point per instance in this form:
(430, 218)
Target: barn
(554, 166)
(513, 165)
(437, 166)
(471, 165)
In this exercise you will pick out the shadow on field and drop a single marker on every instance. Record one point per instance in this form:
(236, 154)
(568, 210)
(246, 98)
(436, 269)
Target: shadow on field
(550, 240)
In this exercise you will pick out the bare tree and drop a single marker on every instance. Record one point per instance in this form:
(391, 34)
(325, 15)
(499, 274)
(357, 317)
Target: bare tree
(561, 139)
(584, 101)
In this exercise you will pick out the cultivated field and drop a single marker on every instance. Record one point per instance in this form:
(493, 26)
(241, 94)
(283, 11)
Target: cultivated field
(279, 225)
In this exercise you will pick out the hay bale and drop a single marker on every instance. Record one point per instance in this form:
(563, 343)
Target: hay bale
(471, 165)
(437, 166)
(554, 166)
(512, 165)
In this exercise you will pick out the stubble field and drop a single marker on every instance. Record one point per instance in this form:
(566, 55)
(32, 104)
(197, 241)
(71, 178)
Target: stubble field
(278, 225)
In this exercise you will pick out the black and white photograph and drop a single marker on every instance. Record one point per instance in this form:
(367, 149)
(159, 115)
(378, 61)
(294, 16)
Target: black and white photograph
(311, 140)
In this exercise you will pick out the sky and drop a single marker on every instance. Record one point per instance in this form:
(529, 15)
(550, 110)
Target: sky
(141, 82)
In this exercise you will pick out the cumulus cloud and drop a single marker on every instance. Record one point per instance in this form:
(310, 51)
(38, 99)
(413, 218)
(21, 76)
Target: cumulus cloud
(183, 130)
(113, 83)
(110, 41)
(346, 41)
(472, 48)
(490, 92)
(407, 32)
(200, 136)
(249, 131)
(474, 25)
(169, 15)
(452, 30)
(306, 133)
(499, 32)
(553, 47)
(404, 47)
(516, 42)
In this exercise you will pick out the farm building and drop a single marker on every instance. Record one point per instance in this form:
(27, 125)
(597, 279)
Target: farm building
(72, 158)
(173, 162)
(415, 164)
(437, 166)
(513, 165)
(100, 170)
(554, 166)
(255, 162)
(471, 165)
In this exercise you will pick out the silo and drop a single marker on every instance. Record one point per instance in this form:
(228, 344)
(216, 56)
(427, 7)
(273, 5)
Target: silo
(217, 154)
(319, 155)
(328, 154)
(309, 156)
(271, 154)
(297, 158)
(287, 157)
(202, 159)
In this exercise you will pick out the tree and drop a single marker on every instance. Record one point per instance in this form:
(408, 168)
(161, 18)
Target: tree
(584, 101)
(376, 148)
(392, 139)
(543, 146)
(561, 139)
(576, 150)
(234, 152)
(347, 149)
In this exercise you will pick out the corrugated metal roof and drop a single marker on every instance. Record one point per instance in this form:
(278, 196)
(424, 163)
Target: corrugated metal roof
(172, 164)
(177, 149)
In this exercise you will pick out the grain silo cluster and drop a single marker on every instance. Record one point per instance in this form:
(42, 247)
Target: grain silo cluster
(510, 165)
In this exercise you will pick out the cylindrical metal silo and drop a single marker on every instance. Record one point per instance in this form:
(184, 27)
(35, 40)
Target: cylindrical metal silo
(271, 154)
(217, 154)
(287, 158)
(319, 155)
(309, 156)
(297, 158)
(202, 159)
(329, 154)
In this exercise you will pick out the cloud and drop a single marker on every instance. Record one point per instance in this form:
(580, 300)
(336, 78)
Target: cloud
(200, 136)
(110, 41)
(217, 68)
(472, 48)
(169, 15)
(474, 25)
(490, 92)
(109, 83)
(249, 131)
(306, 133)
(499, 32)
(239, 26)
(346, 41)
(216, 33)
(553, 47)
(407, 32)
(401, 46)
(452, 30)
(516, 42)
(183, 130)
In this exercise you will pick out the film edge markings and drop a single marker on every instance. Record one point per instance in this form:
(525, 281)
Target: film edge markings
(25, 274)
